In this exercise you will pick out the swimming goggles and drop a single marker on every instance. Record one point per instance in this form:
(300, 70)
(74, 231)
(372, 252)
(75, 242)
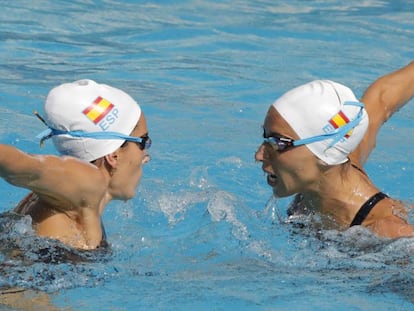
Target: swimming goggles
(143, 142)
(281, 143)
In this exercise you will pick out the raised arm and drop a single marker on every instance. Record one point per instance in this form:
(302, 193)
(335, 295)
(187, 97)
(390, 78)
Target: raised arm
(50, 175)
(18, 168)
(385, 96)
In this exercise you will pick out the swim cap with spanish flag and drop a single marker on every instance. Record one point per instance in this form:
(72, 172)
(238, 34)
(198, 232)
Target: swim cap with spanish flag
(88, 107)
(323, 108)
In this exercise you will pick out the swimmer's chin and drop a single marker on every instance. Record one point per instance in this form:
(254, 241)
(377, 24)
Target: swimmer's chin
(278, 191)
(277, 195)
(125, 197)
(272, 182)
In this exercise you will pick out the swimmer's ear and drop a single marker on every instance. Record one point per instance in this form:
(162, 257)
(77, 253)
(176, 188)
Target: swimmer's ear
(322, 164)
(112, 159)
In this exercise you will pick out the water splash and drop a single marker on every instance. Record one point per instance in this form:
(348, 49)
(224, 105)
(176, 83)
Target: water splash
(175, 205)
(222, 207)
(29, 261)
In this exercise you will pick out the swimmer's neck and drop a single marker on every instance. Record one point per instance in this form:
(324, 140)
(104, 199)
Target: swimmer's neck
(339, 193)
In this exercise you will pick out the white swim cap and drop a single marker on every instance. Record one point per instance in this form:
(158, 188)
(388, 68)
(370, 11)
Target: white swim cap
(321, 107)
(87, 106)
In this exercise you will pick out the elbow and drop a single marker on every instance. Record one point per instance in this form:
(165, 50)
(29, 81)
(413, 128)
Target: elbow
(387, 101)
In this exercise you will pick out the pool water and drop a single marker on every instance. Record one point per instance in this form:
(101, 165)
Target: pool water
(203, 232)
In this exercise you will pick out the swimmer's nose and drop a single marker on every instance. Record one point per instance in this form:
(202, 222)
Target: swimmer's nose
(146, 158)
(259, 153)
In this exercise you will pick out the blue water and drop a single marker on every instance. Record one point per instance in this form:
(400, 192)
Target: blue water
(203, 232)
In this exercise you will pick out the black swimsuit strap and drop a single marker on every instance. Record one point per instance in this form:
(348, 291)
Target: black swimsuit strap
(358, 168)
(367, 207)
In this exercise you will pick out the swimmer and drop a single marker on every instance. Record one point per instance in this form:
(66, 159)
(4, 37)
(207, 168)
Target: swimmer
(101, 134)
(317, 138)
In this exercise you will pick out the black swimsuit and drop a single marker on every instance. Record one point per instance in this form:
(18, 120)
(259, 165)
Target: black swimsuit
(367, 207)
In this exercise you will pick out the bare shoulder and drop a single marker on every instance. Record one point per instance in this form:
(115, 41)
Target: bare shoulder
(389, 219)
(69, 168)
(392, 227)
(69, 178)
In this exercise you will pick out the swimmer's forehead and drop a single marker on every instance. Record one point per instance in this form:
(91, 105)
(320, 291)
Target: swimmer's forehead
(275, 124)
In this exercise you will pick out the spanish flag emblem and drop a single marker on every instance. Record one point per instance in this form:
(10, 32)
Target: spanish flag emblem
(339, 120)
(98, 109)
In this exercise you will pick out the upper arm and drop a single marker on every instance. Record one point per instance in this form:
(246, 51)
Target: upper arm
(19, 168)
(385, 96)
(51, 175)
